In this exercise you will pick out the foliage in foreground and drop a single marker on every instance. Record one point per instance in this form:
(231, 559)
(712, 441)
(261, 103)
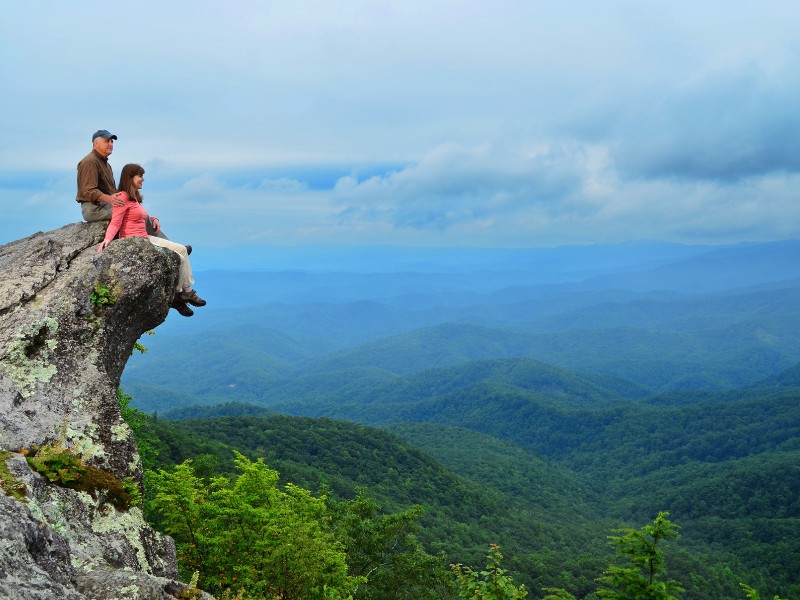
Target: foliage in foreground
(641, 548)
(493, 583)
(384, 549)
(642, 580)
(752, 594)
(280, 532)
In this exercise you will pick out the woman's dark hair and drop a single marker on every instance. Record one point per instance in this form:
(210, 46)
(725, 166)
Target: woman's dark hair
(130, 171)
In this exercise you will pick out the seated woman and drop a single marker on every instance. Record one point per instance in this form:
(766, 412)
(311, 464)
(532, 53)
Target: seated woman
(129, 220)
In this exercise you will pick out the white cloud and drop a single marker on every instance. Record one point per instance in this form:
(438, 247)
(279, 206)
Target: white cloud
(283, 184)
(565, 192)
(453, 185)
(507, 122)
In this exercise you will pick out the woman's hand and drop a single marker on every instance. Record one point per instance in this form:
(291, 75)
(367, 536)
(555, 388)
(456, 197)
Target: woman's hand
(102, 246)
(156, 224)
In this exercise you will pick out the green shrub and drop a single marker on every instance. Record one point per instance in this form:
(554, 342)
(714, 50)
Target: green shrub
(491, 584)
(102, 296)
(61, 467)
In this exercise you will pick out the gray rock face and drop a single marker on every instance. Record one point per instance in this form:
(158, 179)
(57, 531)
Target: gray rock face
(62, 544)
(61, 358)
(34, 560)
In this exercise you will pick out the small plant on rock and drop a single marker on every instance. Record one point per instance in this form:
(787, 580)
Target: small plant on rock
(102, 296)
(139, 347)
(62, 467)
(54, 460)
(59, 465)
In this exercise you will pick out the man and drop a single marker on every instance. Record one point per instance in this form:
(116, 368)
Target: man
(97, 192)
(96, 187)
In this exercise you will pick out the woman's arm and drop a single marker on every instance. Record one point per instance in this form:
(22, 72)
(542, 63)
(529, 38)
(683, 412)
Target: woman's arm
(117, 217)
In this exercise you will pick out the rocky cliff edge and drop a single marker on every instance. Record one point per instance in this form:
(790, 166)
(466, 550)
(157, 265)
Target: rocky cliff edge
(69, 319)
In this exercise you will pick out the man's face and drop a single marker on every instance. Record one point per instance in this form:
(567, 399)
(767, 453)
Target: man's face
(103, 146)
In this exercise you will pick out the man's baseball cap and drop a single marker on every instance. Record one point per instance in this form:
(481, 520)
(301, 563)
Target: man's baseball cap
(103, 134)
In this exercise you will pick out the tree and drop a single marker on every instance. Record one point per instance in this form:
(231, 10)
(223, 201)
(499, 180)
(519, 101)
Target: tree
(491, 584)
(752, 593)
(384, 549)
(641, 547)
(557, 594)
(139, 422)
(249, 535)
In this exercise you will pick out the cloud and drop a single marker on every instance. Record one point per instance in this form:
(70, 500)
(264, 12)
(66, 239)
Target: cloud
(455, 184)
(561, 192)
(728, 126)
(204, 189)
(505, 124)
(283, 185)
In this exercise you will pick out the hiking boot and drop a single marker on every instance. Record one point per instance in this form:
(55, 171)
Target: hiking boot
(188, 249)
(181, 307)
(191, 297)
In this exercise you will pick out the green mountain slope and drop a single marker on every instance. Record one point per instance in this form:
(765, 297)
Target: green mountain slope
(462, 515)
(551, 522)
(265, 366)
(737, 355)
(738, 449)
(501, 465)
(525, 374)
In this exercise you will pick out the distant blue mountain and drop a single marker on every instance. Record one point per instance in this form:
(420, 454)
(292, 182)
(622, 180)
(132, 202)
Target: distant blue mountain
(392, 259)
(451, 277)
(665, 316)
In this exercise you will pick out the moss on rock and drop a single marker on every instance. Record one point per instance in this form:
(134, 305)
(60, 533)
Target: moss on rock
(11, 485)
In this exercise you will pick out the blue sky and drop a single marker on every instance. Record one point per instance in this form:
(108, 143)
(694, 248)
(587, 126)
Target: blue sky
(446, 123)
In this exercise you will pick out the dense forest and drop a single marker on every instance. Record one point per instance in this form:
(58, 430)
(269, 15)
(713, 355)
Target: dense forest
(738, 510)
(484, 410)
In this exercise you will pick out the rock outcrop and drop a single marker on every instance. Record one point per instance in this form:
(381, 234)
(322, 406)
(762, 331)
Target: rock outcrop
(64, 342)
(61, 355)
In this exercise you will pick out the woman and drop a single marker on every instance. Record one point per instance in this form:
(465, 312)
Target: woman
(129, 220)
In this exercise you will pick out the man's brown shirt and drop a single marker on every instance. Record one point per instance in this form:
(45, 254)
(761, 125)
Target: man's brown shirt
(95, 178)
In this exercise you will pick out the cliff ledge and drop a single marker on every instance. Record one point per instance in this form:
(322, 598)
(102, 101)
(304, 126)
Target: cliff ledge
(69, 319)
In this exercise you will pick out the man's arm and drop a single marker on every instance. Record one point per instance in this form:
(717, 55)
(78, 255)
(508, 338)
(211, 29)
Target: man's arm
(88, 190)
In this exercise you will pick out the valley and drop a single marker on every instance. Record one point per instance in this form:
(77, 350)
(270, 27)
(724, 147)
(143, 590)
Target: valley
(536, 403)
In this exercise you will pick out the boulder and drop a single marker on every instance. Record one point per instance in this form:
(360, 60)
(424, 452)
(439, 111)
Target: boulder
(61, 353)
(63, 544)
(69, 319)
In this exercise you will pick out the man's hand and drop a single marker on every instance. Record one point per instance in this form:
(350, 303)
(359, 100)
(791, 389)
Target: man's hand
(113, 200)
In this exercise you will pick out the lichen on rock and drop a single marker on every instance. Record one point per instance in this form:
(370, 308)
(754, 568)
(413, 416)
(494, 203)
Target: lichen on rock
(60, 355)
(61, 359)
(28, 356)
(9, 484)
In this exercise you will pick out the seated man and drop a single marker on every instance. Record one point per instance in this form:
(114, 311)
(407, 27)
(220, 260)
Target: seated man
(97, 192)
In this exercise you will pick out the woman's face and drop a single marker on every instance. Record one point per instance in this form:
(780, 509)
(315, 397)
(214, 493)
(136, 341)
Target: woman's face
(138, 180)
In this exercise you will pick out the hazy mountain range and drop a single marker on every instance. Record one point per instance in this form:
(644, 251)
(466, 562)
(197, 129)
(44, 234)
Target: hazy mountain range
(665, 317)
(575, 387)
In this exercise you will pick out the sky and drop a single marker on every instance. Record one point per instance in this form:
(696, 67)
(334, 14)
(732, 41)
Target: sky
(444, 123)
